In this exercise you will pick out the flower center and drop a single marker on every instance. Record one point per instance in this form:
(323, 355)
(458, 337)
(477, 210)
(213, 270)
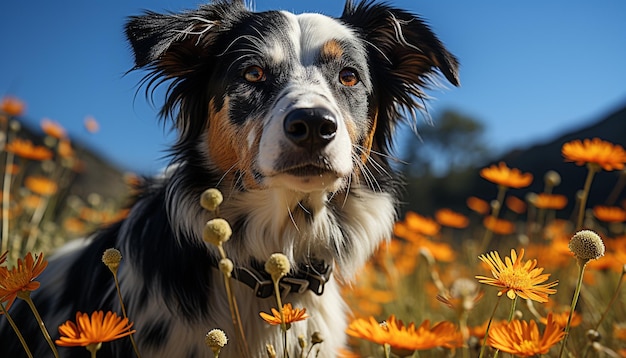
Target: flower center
(514, 278)
(528, 347)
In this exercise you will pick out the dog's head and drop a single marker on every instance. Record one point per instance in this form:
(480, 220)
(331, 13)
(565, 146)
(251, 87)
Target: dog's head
(279, 100)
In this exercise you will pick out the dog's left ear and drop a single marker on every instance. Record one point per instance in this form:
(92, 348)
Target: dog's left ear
(404, 57)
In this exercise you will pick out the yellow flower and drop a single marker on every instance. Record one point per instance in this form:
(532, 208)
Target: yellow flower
(595, 151)
(502, 175)
(562, 317)
(406, 338)
(550, 201)
(478, 205)
(421, 224)
(97, 329)
(516, 278)
(291, 315)
(523, 339)
(515, 204)
(26, 149)
(12, 106)
(20, 278)
(499, 226)
(610, 214)
(447, 217)
(40, 185)
(53, 129)
(91, 124)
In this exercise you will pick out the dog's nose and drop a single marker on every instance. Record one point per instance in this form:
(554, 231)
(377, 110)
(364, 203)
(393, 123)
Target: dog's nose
(310, 127)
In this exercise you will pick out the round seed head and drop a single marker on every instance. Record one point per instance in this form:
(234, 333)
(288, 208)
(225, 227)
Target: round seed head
(216, 231)
(277, 265)
(316, 338)
(226, 266)
(586, 245)
(216, 339)
(111, 258)
(552, 178)
(211, 199)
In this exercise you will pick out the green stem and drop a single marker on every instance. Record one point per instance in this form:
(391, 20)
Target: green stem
(17, 331)
(512, 312)
(582, 265)
(283, 326)
(6, 191)
(482, 349)
(93, 348)
(592, 169)
(494, 214)
(119, 295)
(25, 295)
(615, 294)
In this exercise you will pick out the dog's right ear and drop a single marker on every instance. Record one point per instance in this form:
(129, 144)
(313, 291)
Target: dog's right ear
(175, 44)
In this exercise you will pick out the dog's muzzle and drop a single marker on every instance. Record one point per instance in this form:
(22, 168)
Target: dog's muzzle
(310, 128)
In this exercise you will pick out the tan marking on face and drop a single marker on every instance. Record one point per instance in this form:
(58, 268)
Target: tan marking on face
(369, 141)
(228, 146)
(222, 138)
(331, 50)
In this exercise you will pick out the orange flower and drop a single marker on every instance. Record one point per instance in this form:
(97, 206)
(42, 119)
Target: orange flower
(561, 319)
(97, 329)
(40, 185)
(3, 257)
(610, 214)
(447, 217)
(26, 149)
(20, 278)
(65, 148)
(478, 205)
(406, 338)
(53, 129)
(421, 224)
(291, 315)
(12, 106)
(515, 204)
(517, 278)
(523, 339)
(499, 226)
(550, 201)
(91, 125)
(502, 175)
(607, 155)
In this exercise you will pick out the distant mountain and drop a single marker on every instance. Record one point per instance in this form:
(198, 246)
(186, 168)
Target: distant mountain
(96, 176)
(540, 158)
(428, 193)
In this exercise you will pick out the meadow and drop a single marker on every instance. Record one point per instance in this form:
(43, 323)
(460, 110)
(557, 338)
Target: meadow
(517, 277)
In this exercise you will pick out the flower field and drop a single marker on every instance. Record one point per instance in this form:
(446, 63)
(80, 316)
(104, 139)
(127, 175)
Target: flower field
(516, 277)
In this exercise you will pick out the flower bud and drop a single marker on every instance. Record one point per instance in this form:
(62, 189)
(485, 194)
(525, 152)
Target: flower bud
(211, 199)
(216, 231)
(277, 265)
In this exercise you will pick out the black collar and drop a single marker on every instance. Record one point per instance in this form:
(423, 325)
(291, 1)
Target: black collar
(311, 276)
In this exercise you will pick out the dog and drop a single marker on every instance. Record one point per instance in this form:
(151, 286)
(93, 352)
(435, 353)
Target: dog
(292, 118)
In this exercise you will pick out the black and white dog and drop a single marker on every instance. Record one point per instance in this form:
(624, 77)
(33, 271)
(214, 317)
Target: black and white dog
(292, 118)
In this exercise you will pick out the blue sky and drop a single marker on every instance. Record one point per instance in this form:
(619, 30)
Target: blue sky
(529, 69)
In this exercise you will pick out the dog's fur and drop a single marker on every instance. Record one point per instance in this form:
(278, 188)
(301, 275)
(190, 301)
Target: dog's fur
(291, 117)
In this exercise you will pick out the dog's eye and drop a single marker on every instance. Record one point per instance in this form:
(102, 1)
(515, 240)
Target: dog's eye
(348, 77)
(254, 74)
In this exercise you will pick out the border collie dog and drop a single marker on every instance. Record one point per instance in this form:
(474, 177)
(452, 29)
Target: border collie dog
(292, 118)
